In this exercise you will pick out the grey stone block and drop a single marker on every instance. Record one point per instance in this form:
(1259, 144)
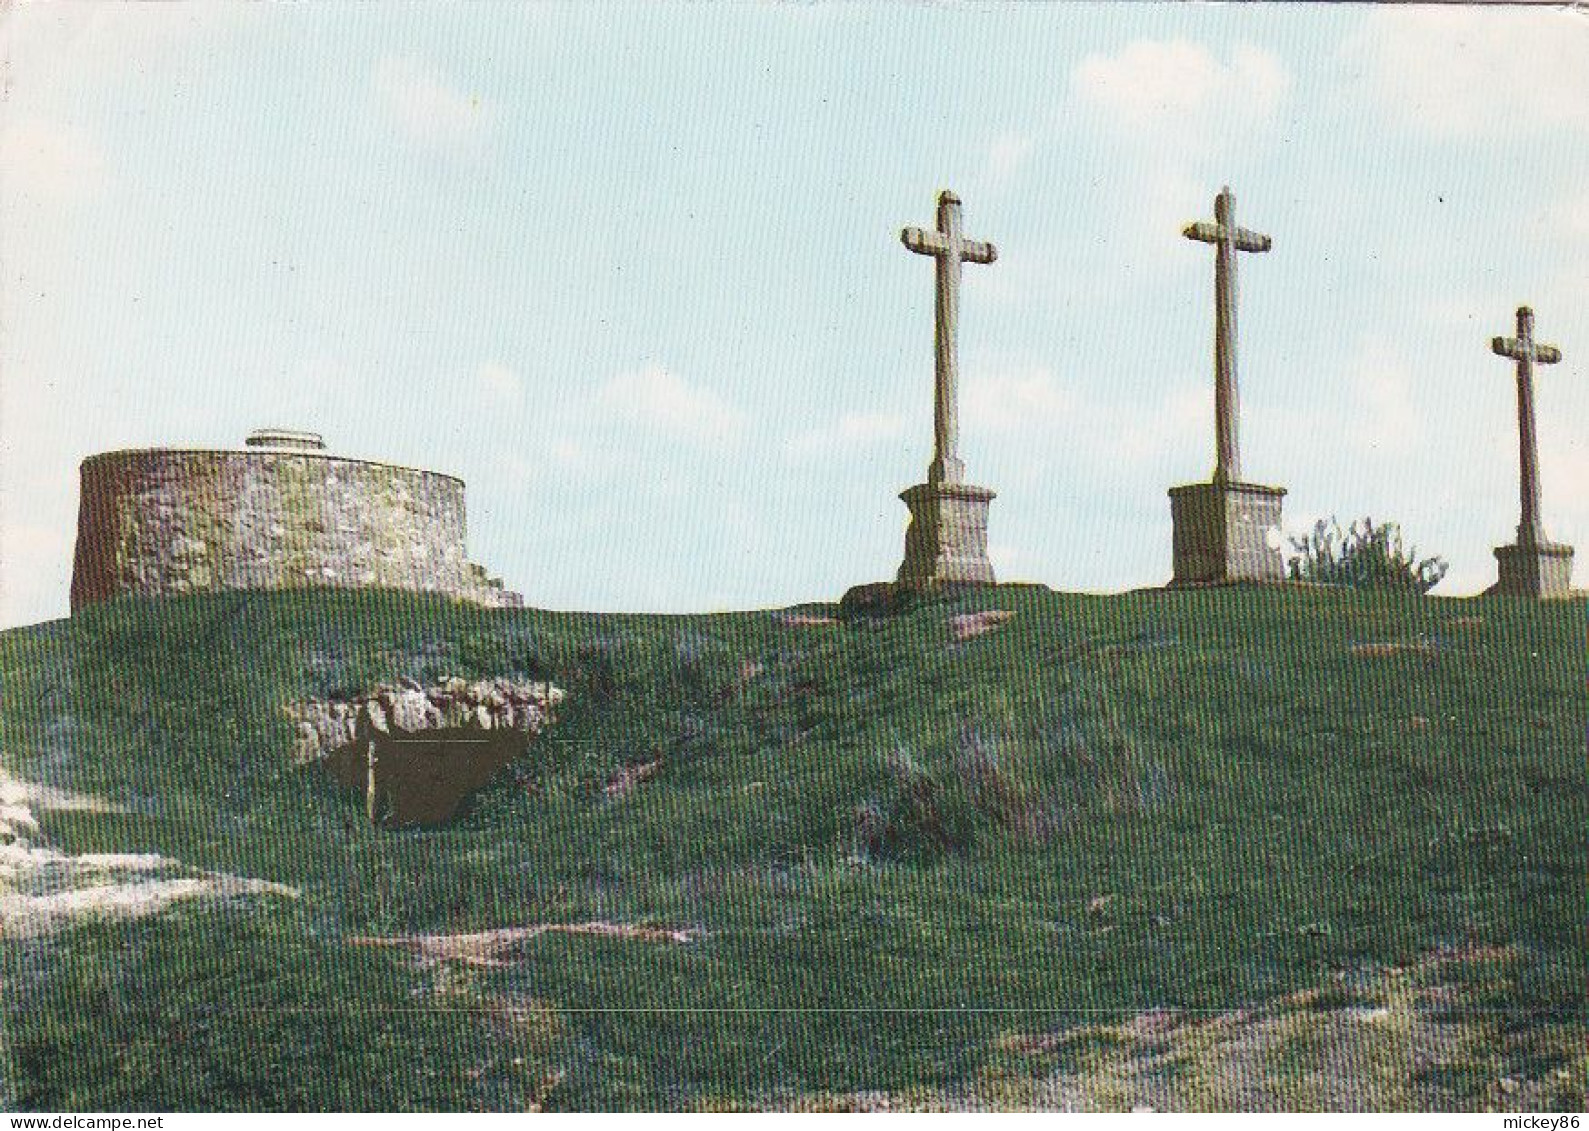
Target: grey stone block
(1226, 532)
(948, 536)
(1542, 570)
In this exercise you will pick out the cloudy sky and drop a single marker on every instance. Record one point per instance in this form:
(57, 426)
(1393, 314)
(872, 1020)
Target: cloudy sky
(635, 273)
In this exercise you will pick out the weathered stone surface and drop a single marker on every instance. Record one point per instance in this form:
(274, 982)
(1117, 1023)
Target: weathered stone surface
(412, 711)
(1534, 566)
(968, 626)
(1543, 570)
(327, 725)
(1227, 239)
(285, 438)
(947, 540)
(277, 516)
(1226, 532)
(418, 753)
(949, 249)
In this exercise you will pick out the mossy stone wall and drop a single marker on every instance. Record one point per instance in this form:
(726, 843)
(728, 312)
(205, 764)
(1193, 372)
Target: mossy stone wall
(163, 521)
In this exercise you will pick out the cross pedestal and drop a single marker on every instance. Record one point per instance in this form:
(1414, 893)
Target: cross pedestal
(948, 536)
(1226, 532)
(1540, 569)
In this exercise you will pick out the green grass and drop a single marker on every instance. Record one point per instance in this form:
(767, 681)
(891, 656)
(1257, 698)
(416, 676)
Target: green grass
(900, 849)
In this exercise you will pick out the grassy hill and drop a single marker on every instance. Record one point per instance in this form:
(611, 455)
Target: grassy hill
(1283, 848)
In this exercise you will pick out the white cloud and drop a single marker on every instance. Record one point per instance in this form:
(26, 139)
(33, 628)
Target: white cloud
(1172, 107)
(570, 455)
(1570, 218)
(555, 461)
(1386, 414)
(1564, 484)
(70, 42)
(1016, 400)
(1178, 424)
(1176, 91)
(1007, 560)
(425, 107)
(852, 430)
(1465, 72)
(657, 398)
(502, 385)
(1121, 430)
(44, 161)
(1005, 156)
(31, 571)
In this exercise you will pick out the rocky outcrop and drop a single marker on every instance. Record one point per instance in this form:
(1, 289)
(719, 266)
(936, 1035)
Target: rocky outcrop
(44, 889)
(327, 725)
(418, 752)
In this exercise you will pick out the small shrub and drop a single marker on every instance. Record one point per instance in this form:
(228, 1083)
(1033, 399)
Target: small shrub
(1366, 556)
(922, 814)
(596, 669)
(927, 811)
(995, 793)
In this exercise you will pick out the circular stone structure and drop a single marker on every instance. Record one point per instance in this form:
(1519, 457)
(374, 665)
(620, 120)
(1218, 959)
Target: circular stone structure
(280, 514)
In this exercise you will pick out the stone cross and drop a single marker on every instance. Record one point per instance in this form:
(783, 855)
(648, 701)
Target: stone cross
(950, 249)
(1525, 351)
(1227, 239)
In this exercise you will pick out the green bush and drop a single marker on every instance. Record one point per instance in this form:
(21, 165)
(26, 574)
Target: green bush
(1365, 556)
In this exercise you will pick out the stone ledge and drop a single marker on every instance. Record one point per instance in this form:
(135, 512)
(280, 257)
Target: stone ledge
(1233, 583)
(948, 491)
(1234, 488)
(892, 598)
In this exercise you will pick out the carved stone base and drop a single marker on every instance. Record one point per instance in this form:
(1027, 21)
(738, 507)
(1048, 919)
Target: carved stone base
(1540, 569)
(1226, 532)
(948, 536)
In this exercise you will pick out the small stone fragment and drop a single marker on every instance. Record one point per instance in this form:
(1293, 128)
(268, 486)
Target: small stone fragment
(966, 626)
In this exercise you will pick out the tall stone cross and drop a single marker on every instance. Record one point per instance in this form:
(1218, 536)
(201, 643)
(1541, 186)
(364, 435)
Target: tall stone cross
(1525, 351)
(950, 249)
(1227, 239)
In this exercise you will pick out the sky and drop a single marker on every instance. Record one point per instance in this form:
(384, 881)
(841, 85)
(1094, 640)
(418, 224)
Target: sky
(634, 273)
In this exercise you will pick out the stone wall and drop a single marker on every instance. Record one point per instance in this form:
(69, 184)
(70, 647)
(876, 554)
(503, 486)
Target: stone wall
(417, 753)
(162, 521)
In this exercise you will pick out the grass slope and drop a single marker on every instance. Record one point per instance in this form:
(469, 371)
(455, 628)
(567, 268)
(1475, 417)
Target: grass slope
(1042, 866)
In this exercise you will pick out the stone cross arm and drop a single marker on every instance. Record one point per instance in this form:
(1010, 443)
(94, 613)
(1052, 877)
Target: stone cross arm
(923, 242)
(1243, 238)
(1525, 350)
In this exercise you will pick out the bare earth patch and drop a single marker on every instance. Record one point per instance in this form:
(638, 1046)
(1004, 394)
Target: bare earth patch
(1383, 649)
(624, 781)
(967, 626)
(1382, 1046)
(493, 948)
(43, 890)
